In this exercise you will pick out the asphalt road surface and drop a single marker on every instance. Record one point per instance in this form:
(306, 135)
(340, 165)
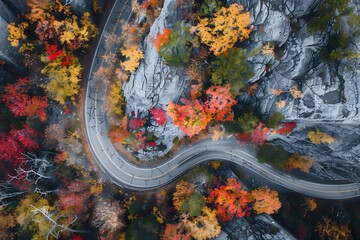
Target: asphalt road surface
(130, 176)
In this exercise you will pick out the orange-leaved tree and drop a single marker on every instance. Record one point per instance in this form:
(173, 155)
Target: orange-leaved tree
(225, 28)
(230, 200)
(162, 38)
(119, 133)
(265, 201)
(175, 231)
(220, 102)
(191, 118)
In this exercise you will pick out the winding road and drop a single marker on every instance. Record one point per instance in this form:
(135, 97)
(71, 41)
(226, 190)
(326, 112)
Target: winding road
(128, 175)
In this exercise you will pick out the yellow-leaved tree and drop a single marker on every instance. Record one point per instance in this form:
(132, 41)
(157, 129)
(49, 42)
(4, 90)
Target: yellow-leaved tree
(133, 55)
(64, 78)
(225, 28)
(16, 33)
(203, 227)
(116, 100)
(303, 163)
(318, 137)
(36, 214)
(51, 31)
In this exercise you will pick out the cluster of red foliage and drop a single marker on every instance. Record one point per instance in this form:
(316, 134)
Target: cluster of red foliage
(220, 102)
(53, 52)
(230, 200)
(17, 141)
(162, 38)
(193, 116)
(159, 115)
(16, 98)
(286, 128)
(135, 138)
(260, 133)
(75, 196)
(136, 123)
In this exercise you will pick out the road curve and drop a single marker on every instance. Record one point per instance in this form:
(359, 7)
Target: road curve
(130, 176)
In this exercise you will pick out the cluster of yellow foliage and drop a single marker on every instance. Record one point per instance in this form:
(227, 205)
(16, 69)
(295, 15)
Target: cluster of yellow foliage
(36, 222)
(296, 92)
(116, 100)
(64, 79)
(96, 6)
(96, 188)
(39, 9)
(203, 227)
(218, 134)
(55, 25)
(16, 33)
(183, 190)
(227, 26)
(280, 104)
(303, 163)
(268, 49)
(311, 204)
(318, 137)
(72, 31)
(215, 164)
(133, 55)
(332, 230)
(158, 215)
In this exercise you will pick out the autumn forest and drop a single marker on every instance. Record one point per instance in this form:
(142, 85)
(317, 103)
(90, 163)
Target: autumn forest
(158, 87)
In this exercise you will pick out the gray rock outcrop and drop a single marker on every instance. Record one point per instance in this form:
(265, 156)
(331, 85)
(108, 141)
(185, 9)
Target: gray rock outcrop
(330, 99)
(155, 84)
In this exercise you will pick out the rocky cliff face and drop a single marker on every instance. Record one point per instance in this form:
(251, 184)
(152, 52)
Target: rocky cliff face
(330, 90)
(155, 84)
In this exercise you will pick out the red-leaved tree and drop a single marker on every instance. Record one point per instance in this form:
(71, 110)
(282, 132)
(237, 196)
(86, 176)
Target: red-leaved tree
(230, 200)
(158, 115)
(220, 102)
(16, 142)
(18, 100)
(75, 196)
(260, 134)
(286, 128)
(136, 123)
